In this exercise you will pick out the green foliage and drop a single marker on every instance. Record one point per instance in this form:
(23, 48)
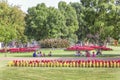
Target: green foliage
(6, 28)
(83, 29)
(55, 24)
(47, 22)
(71, 21)
(44, 22)
(54, 43)
(11, 22)
(35, 21)
(99, 17)
(74, 21)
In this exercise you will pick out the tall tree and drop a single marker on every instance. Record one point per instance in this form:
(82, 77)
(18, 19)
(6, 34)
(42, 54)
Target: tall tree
(83, 29)
(70, 20)
(11, 22)
(44, 22)
(98, 15)
(113, 19)
(35, 21)
(18, 21)
(105, 14)
(56, 23)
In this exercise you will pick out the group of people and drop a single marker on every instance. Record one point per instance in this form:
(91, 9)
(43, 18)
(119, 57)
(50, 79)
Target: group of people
(88, 54)
(78, 53)
(40, 54)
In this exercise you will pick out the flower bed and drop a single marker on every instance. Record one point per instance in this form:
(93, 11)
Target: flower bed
(83, 48)
(102, 48)
(20, 50)
(65, 63)
(2, 50)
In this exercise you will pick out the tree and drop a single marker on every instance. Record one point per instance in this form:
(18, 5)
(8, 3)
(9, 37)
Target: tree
(107, 19)
(83, 29)
(56, 24)
(18, 22)
(70, 20)
(98, 15)
(44, 22)
(113, 18)
(97, 18)
(35, 21)
(11, 22)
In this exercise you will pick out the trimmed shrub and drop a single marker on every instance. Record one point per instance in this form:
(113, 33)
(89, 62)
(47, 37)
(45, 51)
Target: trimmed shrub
(56, 43)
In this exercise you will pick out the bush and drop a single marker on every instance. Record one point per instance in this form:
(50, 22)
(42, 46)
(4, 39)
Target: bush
(56, 43)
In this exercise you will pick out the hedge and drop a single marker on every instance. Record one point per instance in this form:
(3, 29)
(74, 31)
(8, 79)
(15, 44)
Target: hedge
(54, 43)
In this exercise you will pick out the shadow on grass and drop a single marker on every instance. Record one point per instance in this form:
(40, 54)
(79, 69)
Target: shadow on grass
(46, 56)
(110, 55)
(70, 55)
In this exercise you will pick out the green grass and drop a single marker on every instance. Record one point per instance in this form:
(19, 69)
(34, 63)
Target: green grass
(40, 73)
(62, 53)
(63, 73)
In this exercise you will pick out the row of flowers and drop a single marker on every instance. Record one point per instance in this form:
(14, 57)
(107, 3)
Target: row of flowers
(14, 50)
(64, 63)
(83, 48)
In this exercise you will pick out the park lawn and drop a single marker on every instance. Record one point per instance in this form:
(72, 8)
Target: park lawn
(55, 52)
(63, 53)
(57, 73)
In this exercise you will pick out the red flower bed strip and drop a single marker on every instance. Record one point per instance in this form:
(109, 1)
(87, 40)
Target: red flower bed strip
(14, 50)
(83, 48)
(65, 63)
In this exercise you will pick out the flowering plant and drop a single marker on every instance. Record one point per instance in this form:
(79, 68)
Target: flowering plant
(64, 63)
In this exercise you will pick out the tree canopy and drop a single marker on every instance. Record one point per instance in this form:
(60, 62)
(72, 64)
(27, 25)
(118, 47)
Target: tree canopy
(87, 19)
(99, 18)
(11, 22)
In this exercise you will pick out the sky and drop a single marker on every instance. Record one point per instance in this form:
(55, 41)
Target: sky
(25, 4)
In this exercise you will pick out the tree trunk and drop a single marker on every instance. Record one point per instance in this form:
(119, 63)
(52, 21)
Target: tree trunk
(115, 42)
(5, 54)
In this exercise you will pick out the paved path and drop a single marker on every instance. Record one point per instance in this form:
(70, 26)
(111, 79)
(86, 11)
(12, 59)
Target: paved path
(58, 58)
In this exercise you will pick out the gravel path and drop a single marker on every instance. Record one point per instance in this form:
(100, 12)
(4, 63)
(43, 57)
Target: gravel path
(58, 58)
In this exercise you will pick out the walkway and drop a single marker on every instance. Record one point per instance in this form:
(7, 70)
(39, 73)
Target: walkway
(58, 58)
